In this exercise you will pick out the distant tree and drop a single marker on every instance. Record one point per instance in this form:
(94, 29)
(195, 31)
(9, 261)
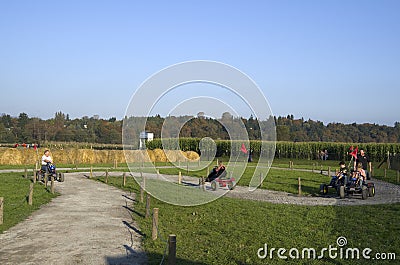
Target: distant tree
(22, 120)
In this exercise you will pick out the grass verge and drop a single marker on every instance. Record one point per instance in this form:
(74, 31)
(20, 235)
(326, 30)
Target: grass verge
(231, 231)
(15, 190)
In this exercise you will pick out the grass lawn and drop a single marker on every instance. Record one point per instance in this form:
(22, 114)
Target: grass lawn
(279, 180)
(15, 189)
(230, 231)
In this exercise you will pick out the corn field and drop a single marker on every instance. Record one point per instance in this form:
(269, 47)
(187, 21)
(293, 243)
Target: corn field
(295, 150)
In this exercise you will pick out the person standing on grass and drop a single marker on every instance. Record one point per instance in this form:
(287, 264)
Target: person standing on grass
(363, 158)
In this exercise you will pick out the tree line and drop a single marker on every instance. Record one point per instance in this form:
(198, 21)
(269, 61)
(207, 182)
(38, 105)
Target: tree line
(62, 128)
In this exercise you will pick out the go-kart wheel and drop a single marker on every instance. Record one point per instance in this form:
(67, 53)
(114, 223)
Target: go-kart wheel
(61, 177)
(341, 192)
(371, 191)
(364, 193)
(324, 189)
(231, 185)
(214, 185)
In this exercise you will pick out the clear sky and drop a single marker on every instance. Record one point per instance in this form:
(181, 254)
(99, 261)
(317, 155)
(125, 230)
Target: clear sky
(334, 61)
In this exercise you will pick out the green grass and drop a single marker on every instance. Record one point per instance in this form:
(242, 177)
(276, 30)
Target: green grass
(391, 175)
(279, 180)
(15, 189)
(230, 231)
(306, 164)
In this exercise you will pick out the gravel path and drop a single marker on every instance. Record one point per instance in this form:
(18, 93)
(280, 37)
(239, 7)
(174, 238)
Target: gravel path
(89, 223)
(385, 193)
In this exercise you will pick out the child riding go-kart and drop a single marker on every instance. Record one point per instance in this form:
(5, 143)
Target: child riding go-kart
(353, 183)
(336, 181)
(357, 185)
(218, 178)
(50, 171)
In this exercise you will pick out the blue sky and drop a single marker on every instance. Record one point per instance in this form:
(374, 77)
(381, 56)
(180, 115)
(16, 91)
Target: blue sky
(334, 61)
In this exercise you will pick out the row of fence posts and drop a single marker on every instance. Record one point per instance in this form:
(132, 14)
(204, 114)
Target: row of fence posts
(154, 233)
(30, 193)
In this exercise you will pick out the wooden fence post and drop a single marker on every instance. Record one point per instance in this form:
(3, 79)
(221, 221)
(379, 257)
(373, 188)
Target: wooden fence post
(91, 172)
(147, 206)
(172, 250)
(142, 187)
(290, 164)
(203, 183)
(52, 185)
(180, 178)
(30, 196)
(123, 179)
(398, 176)
(313, 167)
(1, 210)
(299, 186)
(107, 175)
(25, 173)
(115, 163)
(46, 179)
(384, 173)
(34, 176)
(155, 224)
(329, 171)
(261, 179)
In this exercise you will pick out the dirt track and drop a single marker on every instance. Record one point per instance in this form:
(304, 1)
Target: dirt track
(385, 193)
(88, 224)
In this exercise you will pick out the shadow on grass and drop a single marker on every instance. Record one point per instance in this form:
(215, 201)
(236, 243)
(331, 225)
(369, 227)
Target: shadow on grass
(134, 257)
(133, 211)
(129, 198)
(133, 228)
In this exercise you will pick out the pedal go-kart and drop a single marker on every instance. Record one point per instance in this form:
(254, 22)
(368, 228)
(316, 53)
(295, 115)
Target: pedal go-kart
(50, 171)
(219, 179)
(335, 183)
(223, 182)
(353, 188)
